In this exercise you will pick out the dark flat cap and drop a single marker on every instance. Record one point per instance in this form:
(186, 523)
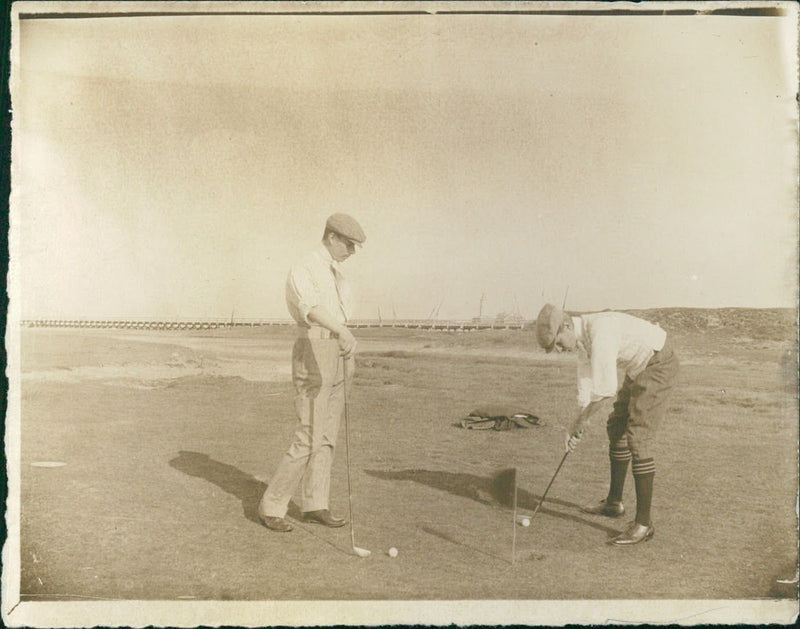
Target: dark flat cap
(547, 325)
(345, 225)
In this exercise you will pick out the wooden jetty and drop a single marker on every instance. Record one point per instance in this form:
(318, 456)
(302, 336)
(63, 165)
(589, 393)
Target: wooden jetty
(212, 324)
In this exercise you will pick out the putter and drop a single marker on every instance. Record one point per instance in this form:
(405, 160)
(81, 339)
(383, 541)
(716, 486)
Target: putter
(361, 552)
(550, 484)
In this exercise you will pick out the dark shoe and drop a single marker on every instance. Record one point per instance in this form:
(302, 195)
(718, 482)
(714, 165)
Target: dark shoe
(324, 517)
(634, 534)
(608, 509)
(276, 524)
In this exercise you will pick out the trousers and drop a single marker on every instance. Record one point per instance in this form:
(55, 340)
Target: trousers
(318, 378)
(641, 404)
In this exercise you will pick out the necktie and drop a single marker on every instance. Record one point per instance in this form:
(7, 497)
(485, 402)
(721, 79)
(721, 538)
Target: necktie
(338, 281)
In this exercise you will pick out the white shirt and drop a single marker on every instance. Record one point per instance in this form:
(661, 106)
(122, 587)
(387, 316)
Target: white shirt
(311, 283)
(608, 340)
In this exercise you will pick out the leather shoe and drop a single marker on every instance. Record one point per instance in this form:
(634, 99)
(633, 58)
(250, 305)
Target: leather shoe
(634, 534)
(608, 509)
(324, 517)
(276, 524)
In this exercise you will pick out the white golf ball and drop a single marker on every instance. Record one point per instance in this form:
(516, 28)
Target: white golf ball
(392, 552)
(526, 522)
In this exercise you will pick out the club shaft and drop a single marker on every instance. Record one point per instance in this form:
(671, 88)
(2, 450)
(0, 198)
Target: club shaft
(347, 455)
(550, 484)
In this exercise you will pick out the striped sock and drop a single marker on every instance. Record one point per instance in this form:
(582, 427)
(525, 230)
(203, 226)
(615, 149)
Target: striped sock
(619, 457)
(644, 471)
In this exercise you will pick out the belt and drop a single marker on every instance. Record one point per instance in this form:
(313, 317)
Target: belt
(315, 332)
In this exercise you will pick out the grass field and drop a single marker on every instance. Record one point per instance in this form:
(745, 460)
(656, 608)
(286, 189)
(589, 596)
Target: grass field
(169, 438)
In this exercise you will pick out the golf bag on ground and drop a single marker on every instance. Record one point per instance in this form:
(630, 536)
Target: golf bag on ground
(499, 418)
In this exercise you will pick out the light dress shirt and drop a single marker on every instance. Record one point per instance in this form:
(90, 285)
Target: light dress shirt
(316, 280)
(608, 340)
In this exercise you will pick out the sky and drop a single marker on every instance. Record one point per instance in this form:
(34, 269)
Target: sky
(176, 166)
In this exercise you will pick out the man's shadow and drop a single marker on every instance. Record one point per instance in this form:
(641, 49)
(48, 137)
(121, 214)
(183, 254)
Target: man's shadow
(496, 491)
(229, 479)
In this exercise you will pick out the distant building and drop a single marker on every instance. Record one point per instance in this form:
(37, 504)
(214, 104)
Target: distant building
(508, 318)
(483, 320)
(501, 319)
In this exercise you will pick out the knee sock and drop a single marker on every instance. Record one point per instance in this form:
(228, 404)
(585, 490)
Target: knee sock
(644, 471)
(619, 458)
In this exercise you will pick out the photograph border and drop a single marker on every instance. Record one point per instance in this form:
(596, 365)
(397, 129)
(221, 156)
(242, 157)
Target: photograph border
(304, 613)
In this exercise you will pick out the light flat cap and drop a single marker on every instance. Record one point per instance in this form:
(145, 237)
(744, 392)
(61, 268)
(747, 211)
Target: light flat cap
(345, 225)
(547, 325)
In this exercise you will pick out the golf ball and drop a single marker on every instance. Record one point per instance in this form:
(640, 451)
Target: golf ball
(526, 522)
(392, 552)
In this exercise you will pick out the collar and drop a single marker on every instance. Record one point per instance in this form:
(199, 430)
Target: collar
(322, 252)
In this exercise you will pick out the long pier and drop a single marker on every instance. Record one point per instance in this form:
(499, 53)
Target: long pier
(444, 325)
(213, 324)
(149, 324)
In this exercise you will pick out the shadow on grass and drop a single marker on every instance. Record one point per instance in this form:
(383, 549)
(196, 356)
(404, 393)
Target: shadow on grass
(228, 478)
(454, 540)
(489, 491)
(234, 481)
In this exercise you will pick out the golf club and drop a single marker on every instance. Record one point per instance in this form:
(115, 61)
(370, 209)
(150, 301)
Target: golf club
(361, 552)
(544, 495)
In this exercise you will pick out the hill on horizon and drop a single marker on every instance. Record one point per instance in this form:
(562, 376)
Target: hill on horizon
(757, 323)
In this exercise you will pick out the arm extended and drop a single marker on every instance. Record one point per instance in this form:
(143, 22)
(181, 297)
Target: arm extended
(594, 409)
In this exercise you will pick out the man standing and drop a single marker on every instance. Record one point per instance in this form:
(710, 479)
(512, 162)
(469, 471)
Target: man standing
(319, 300)
(606, 340)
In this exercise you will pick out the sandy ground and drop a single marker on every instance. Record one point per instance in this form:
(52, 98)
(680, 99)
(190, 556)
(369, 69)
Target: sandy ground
(168, 440)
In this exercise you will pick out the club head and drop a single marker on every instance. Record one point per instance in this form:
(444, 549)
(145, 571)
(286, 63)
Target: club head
(361, 552)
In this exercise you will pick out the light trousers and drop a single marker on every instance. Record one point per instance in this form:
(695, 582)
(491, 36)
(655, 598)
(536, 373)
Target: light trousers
(318, 377)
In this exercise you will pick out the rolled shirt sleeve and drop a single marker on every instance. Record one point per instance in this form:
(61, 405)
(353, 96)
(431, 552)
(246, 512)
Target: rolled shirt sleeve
(302, 293)
(311, 283)
(612, 341)
(597, 373)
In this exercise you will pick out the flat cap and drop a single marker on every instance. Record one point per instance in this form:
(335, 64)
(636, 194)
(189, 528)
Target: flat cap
(547, 325)
(345, 225)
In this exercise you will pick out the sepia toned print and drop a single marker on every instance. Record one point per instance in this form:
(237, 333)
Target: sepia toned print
(275, 271)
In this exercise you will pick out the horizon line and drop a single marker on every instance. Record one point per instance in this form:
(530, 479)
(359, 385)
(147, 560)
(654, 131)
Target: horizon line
(502, 315)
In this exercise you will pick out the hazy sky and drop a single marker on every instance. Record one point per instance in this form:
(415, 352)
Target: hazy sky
(175, 166)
